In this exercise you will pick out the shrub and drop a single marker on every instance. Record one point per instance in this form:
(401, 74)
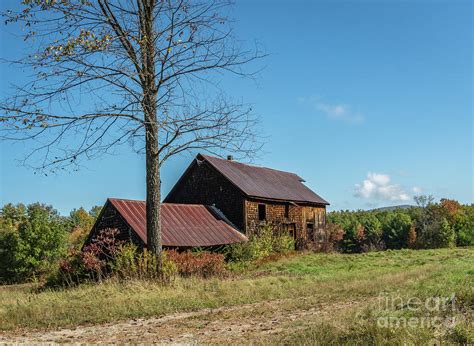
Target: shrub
(98, 256)
(374, 245)
(239, 252)
(262, 244)
(71, 271)
(132, 263)
(333, 236)
(92, 263)
(283, 244)
(125, 261)
(108, 257)
(202, 264)
(258, 246)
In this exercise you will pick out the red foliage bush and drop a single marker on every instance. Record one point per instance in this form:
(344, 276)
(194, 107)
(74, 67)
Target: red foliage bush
(105, 245)
(203, 264)
(361, 234)
(65, 266)
(92, 263)
(334, 234)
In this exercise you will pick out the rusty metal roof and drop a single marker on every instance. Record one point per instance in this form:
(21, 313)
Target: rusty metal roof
(261, 182)
(185, 225)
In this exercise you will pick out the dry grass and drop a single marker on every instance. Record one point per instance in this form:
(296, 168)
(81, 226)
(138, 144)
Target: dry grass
(298, 283)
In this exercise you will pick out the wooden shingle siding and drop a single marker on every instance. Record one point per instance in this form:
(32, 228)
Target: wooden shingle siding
(227, 184)
(111, 218)
(202, 184)
(298, 215)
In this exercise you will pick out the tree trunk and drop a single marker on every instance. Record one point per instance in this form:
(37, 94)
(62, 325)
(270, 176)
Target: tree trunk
(153, 183)
(153, 190)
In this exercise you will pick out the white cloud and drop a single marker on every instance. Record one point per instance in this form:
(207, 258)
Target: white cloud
(333, 111)
(379, 179)
(417, 189)
(377, 186)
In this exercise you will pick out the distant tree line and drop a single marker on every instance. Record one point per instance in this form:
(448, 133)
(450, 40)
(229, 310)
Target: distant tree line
(426, 226)
(34, 238)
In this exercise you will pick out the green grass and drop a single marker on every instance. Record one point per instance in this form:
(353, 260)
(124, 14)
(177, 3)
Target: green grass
(305, 280)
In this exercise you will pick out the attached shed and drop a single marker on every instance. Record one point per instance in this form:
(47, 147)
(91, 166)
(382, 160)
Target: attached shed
(182, 225)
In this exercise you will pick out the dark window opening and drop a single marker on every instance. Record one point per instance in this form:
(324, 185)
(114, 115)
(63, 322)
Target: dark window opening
(320, 236)
(310, 230)
(291, 230)
(287, 211)
(262, 212)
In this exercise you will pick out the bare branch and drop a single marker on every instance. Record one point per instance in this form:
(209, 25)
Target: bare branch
(112, 72)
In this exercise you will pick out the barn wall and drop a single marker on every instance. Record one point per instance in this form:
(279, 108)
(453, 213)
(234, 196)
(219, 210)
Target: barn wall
(317, 217)
(202, 184)
(111, 218)
(297, 220)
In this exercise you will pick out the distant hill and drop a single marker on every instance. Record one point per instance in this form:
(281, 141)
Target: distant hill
(395, 207)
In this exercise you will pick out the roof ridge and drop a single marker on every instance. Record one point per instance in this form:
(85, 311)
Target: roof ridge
(124, 199)
(162, 203)
(250, 165)
(263, 182)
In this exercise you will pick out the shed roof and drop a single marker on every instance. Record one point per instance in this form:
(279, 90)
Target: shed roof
(182, 225)
(262, 182)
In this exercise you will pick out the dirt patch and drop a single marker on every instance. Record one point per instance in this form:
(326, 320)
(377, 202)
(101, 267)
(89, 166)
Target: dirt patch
(222, 325)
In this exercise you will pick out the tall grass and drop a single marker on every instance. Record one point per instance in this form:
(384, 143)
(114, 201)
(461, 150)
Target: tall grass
(304, 280)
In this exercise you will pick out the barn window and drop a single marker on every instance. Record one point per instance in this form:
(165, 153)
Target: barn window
(291, 230)
(262, 212)
(310, 230)
(287, 211)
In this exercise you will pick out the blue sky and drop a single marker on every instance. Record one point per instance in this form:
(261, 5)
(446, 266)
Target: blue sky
(369, 101)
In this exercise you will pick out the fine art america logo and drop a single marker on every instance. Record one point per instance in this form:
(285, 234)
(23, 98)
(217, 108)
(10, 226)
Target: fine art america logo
(433, 312)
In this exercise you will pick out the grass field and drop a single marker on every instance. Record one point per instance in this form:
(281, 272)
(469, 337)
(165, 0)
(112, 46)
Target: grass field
(380, 297)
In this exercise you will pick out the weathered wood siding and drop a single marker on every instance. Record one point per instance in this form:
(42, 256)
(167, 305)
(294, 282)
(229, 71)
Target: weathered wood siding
(286, 216)
(111, 218)
(202, 184)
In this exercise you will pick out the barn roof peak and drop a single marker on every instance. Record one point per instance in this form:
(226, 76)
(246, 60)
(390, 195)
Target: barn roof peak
(263, 182)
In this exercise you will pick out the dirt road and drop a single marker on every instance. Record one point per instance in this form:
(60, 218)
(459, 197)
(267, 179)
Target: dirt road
(223, 325)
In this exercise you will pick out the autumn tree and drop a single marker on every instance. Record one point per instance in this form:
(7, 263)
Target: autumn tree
(81, 223)
(137, 72)
(411, 242)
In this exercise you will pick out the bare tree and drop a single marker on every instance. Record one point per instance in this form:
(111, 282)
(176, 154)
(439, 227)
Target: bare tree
(424, 201)
(138, 72)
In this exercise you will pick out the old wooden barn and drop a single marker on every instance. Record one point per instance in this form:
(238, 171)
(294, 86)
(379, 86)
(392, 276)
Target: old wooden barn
(218, 201)
(251, 196)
